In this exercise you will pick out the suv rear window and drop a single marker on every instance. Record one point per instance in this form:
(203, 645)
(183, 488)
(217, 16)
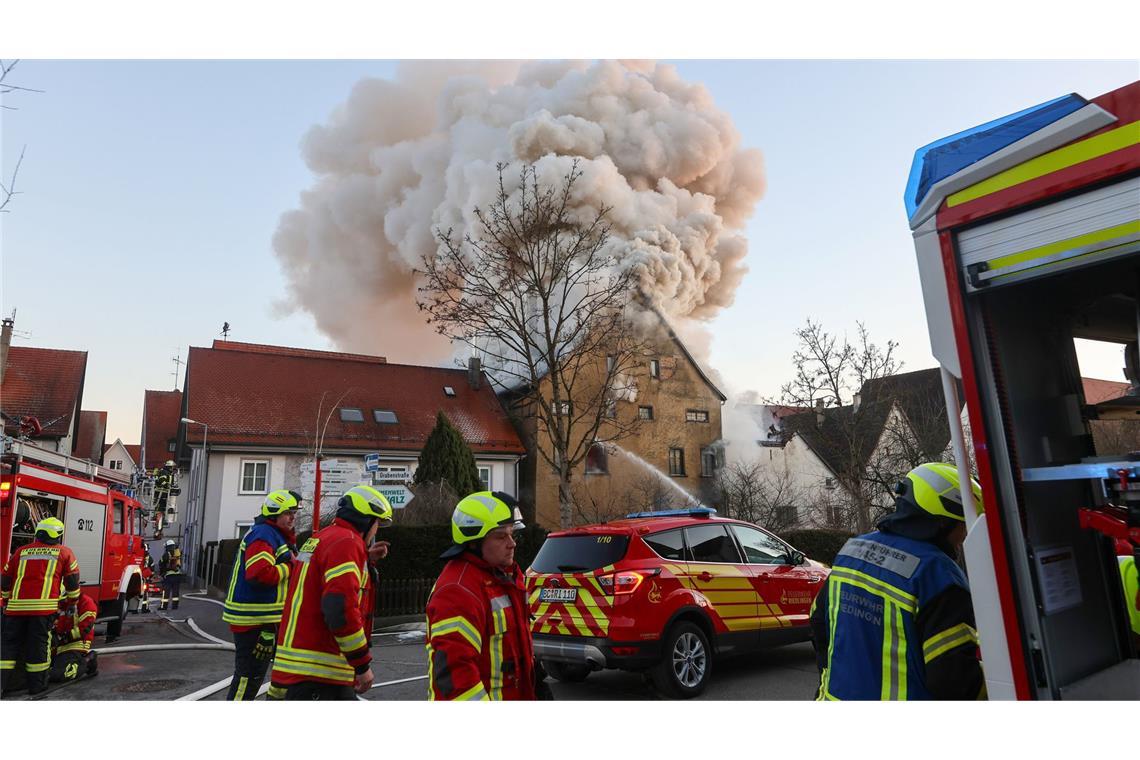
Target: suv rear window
(668, 544)
(576, 554)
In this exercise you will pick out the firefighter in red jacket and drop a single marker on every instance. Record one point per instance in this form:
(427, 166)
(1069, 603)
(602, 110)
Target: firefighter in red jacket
(323, 643)
(478, 638)
(71, 655)
(39, 580)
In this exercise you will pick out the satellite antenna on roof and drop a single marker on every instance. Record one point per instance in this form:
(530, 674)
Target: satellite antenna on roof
(225, 331)
(9, 323)
(177, 368)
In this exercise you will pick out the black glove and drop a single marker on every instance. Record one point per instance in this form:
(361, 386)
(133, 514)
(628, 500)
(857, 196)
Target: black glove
(266, 643)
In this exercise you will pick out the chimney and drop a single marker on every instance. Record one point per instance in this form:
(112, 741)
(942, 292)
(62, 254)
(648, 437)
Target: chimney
(819, 412)
(5, 342)
(474, 372)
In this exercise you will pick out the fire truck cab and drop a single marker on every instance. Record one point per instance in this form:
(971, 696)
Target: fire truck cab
(103, 523)
(1027, 233)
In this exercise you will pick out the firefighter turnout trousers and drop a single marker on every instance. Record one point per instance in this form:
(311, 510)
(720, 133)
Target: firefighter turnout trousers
(170, 587)
(72, 665)
(25, 645)
(253, 651)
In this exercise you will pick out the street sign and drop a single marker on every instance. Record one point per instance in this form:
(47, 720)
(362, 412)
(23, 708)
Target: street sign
(372, 462)
(397, 496)
(327, 465)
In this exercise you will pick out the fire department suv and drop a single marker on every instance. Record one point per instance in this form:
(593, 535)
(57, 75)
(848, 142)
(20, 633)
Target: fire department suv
(102, 525)
(665, 592)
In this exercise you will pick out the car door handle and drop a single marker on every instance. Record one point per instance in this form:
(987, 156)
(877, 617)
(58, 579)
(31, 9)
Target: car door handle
(813, 578)
(705, 576)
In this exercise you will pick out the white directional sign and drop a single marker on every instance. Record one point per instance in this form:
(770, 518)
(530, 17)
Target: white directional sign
(336, 477)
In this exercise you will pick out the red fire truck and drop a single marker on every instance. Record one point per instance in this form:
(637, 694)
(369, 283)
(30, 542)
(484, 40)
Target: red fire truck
(1027, 231)
(103, 524)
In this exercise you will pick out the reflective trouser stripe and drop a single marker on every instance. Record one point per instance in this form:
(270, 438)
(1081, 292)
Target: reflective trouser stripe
(240, 694)
(941, 643)
(275, 692)
(39, 667)
(7, 664)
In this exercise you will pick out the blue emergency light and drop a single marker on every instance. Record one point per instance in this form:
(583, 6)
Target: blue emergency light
(694, 512)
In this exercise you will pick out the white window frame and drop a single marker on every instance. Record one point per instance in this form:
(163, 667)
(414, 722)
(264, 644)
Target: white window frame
(241, 476)
(490, 471)
(239, 524)
(655, 369)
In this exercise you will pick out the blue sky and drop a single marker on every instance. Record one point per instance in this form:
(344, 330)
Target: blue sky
(151, 190)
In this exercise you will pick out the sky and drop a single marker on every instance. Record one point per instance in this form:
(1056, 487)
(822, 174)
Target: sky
(150, 191)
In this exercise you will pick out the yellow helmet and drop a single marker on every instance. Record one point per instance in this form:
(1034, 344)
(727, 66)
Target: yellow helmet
(369, 502)
(280, 502)
(478, 514)
(933, 488)
(51, 527)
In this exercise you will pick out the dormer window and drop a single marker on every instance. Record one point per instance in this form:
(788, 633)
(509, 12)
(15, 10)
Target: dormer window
(351, 414)
(385, 416)
(448, 390)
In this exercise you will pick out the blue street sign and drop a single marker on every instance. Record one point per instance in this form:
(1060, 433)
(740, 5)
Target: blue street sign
(372, 462)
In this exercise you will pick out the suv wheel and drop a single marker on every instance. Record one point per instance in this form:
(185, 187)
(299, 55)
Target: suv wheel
(566, 672)
(687, 663)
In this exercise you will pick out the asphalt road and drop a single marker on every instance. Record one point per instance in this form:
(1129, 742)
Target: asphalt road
(399, 665)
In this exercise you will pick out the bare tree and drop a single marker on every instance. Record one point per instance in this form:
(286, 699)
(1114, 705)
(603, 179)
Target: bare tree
(750, 491)
(431, 504)
(830, 373)
(601, 499)
(8, 189)
(536, 290)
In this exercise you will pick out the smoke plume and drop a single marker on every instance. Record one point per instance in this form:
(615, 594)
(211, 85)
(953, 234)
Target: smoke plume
(404, 157)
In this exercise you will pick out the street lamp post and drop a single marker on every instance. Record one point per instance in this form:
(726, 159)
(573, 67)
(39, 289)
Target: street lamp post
(200, 510)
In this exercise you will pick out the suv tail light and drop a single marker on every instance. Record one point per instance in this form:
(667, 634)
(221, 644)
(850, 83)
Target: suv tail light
(625, 581)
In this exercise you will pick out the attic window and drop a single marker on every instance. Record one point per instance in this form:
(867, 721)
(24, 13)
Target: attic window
(351, 414)
(385, 416)
(448, 390)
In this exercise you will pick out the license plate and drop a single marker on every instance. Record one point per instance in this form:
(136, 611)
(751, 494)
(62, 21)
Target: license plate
(558, 595)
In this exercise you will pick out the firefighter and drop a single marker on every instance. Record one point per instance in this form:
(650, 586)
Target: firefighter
(71, 656)
(170, 568)
(163, 481)
(39, 580)
(148, 575)
(478, 638)
(895, 620)
(257, 592)
(323, 644)
(1130, 584)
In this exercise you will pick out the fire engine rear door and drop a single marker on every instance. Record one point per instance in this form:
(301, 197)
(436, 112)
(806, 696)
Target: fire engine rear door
(83, 534)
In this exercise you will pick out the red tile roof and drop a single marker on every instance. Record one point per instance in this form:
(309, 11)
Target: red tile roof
(161, 412)
(1097, 391)
(133, 449)
(270, 396)
(45, 383)
(92, 437)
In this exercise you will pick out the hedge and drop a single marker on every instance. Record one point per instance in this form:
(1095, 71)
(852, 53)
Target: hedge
(416, 548)
(817, 543)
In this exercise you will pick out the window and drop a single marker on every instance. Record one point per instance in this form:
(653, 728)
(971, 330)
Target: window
(668, 545)
(170, 446)
(610, 411)
(241, 528)
(385, 416)
(597, 461)
(759, 547)
(711, 543)
(575, 554)
(448, 390)
(644, 412)
(562, 408)
(611, 362)
(677, 462)
(255, 476)
(117, 525)
(655, 368)
(696, 415)
(829, 484)
(115, 464)
(708, 463)
(351, 414)
(787, 514)
(485, 477)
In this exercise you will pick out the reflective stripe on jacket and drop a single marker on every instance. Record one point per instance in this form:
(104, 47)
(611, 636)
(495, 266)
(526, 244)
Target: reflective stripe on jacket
(260, 579)
(877, 588)
(39, 579)
(478, 639)
(1130, 579)
(323, 636)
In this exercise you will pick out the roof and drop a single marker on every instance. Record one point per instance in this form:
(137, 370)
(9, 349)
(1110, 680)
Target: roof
(161, 413)
(266, 396)
(696, 365)
(134, 450)
(45, 383)
(918, 395)
(92, 436)
(1097, 391)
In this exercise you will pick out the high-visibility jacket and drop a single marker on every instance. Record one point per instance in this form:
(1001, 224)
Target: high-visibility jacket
(895, 622)
(323, 636)
(170, 563)
(478, 638)
(260, 579)
(39, 579)
(76, 632)
(1130, 579)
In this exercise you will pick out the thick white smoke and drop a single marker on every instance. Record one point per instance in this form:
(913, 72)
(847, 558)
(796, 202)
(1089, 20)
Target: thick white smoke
(402, 158)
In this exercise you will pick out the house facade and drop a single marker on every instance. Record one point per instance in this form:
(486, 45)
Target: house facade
(258, 415)
(123, 457)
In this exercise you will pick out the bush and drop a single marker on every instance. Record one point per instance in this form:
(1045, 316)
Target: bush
(818, 543)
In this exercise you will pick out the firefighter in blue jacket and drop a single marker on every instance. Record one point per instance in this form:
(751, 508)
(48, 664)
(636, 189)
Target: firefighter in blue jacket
(895, 619)
(256, 596)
